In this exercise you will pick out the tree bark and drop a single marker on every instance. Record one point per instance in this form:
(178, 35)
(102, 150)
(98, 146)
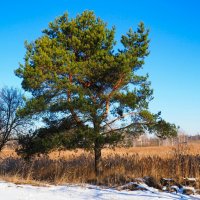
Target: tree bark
(98, 161)
(2, 145)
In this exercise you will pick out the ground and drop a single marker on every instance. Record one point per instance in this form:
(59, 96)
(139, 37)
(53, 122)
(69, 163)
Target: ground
(10, 191)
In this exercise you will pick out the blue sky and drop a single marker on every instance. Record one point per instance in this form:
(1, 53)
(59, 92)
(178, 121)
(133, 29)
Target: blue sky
(174, 62)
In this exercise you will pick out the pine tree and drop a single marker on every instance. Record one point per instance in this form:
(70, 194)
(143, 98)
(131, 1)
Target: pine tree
(88, 92)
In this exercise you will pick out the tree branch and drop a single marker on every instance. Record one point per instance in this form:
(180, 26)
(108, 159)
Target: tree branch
(118, 118)
(116, 87)
(128, 126)
(69, 100)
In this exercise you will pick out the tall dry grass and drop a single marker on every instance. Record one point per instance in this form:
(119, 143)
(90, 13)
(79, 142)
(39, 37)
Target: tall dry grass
(119, 166)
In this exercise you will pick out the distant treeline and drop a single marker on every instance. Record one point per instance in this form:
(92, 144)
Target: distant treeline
(145, 140)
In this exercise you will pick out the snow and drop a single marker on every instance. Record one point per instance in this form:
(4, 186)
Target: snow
(175, 187)
(189, 188)
(190, 179)
(10, 191)
(167, 179)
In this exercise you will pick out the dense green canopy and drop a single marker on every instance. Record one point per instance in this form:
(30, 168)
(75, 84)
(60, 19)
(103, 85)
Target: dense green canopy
(80, 81)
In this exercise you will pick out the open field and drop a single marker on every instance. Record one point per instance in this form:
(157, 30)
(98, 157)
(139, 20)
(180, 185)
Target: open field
(161, 151)
(120, 165)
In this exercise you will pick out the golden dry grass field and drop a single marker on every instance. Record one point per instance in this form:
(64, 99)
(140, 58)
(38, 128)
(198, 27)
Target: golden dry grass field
(120, 165)
(161, 151)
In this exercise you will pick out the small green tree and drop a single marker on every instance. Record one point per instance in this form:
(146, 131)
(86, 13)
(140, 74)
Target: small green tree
(87, 90)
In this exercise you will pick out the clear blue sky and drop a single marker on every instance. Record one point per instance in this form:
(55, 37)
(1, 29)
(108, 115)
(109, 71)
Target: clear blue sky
(174, 62)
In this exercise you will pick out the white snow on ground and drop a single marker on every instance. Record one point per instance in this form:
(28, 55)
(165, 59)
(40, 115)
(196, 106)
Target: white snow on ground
(9, 191)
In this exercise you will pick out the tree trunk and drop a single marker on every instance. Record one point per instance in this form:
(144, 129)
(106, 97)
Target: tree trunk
(1, 146)
(98, 161)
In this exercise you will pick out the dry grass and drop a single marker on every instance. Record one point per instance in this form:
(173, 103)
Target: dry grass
(119, 166)
(160, 151)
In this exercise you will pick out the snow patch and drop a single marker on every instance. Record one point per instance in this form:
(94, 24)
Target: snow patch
(10, 191)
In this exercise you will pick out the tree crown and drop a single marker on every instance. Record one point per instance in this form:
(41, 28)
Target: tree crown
(75, 74)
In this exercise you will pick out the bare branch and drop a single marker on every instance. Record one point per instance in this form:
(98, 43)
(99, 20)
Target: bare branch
(10, 123)
(119, 118)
